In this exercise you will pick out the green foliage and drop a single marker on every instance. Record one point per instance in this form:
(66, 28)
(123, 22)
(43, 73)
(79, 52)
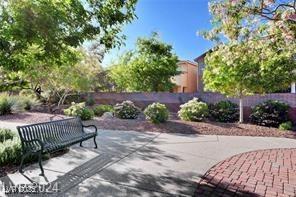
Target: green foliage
(286, 126)
(10, 147)
(148, 68)
(15, 103)
(29, 103)
(80, 110)
(41, 40)
(101, 109)
(224, 111)
(241, 20)
(5, 105)
(10, 151)
(270, 113)
(193, 110)
(156, 113)
(126, 110)
(256, 47)
(11, 81)
(9, 104)
(57, 25)
(6, 134)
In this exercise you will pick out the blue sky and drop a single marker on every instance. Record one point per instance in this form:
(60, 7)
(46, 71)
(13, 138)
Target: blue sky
(177, 22)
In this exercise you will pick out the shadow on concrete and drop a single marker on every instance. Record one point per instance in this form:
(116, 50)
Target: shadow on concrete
(109, 181)
(210, 186)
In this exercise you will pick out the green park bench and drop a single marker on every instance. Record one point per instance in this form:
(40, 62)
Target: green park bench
(48, 137)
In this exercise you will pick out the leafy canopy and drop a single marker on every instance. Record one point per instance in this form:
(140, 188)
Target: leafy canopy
(55, 26)
(239, 69)
(256, 46)
(148, 68)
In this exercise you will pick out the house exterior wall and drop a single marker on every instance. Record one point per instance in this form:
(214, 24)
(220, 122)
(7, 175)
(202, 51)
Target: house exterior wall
(186, 82)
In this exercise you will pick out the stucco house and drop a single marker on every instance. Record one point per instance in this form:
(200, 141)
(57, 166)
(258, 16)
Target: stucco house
(186, 82)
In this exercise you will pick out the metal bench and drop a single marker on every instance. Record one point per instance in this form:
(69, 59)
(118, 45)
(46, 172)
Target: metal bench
(48, 137)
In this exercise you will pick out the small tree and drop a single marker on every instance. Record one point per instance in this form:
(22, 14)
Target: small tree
(236, 70)
(148, 68)
(256, 47)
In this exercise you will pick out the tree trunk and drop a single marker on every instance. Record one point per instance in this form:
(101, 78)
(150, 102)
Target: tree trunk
(241, 110)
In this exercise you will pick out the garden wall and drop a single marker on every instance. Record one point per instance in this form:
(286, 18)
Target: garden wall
(174, 100)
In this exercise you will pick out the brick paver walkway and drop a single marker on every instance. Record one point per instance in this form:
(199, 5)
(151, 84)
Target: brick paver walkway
(257, 173)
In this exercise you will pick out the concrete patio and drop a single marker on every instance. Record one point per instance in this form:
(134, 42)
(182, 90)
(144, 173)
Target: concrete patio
(129, 163)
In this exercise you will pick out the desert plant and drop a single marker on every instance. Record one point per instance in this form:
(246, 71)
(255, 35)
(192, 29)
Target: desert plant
(101, 109)
(27, 102)
(224, 111)
(126, 110)
(270, 113)
(9, 104)
(157, 113)
(193, 110)
(286, 126)
(79, 110)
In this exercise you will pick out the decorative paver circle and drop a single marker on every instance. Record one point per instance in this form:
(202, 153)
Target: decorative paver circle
(258, 173)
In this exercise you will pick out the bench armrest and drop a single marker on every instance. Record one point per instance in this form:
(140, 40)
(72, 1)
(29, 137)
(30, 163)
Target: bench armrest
(34, 140)
(86, 126)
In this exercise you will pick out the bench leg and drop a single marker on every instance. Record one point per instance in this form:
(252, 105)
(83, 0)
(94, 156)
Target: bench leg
(81, 144)
(96, 146)
(22, 162)
(40, 164)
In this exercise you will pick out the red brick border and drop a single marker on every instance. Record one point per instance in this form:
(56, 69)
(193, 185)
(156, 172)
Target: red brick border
(258, 173)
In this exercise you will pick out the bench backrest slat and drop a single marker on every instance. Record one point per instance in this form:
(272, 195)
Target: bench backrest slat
(51, 131)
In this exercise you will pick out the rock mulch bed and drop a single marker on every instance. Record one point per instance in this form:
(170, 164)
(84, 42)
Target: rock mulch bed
(172, 126)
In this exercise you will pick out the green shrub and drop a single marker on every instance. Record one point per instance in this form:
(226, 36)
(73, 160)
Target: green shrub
(10, 151)
(80, 110)
(9, 104)
(286, 126)
(156, 113)
(193, 110)
(224, 111)
(6, 134)
(28, 102)
(270, 113)
(10, 147)
(101, 109)
(126, 110)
